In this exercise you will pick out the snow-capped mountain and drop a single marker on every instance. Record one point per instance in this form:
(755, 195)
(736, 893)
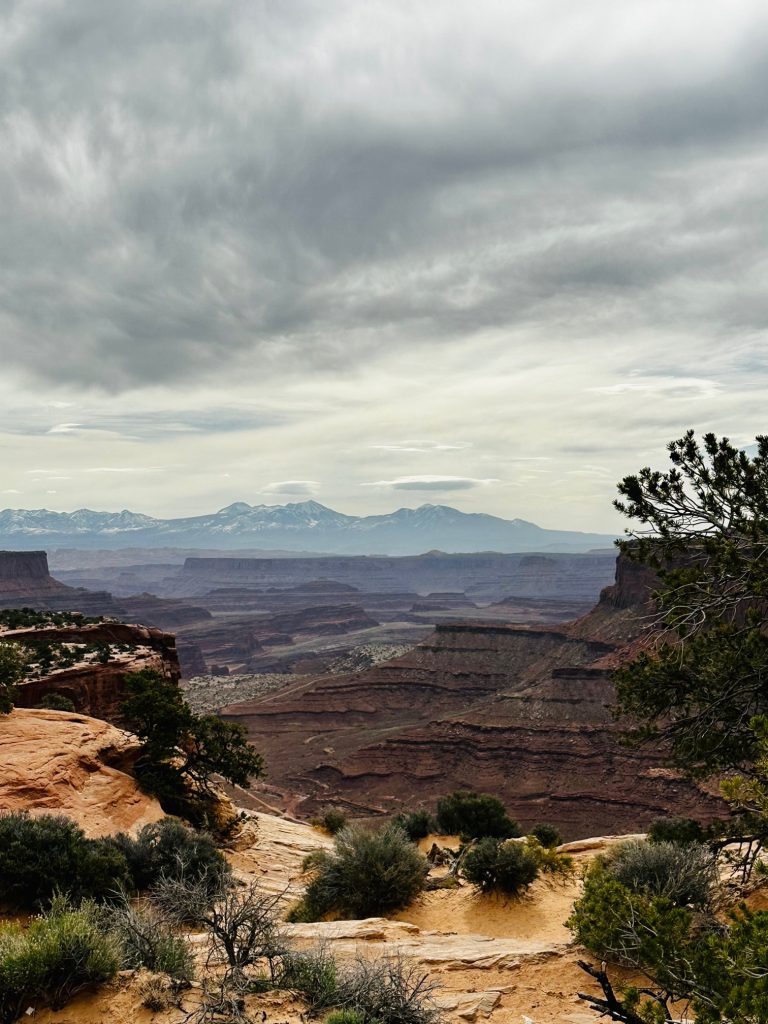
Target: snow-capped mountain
(306, 525)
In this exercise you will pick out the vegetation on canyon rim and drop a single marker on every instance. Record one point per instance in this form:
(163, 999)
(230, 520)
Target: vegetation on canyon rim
(49, 854)
(701, 691)
(181, 751)
(367, 874)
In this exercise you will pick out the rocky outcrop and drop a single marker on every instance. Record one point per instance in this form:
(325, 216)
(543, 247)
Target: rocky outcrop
(26, 582)
(522, 712)
(52, 762)
(96, 687)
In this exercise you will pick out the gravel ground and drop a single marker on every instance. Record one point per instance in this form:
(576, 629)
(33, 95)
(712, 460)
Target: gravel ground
(211, 693)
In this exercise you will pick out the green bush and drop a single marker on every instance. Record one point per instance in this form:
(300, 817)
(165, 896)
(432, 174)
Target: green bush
(632, 928)
(475, 816)
(330, 820)
(13, 666)
(547, 835)
(58, 955)
(548, 860)
(676, 830)
(495, 865)
(346, 1017)
(56, 702)
(416, 824)
(47, 854)
(314, 974)
(684, 875)
(718, 966)
(40, 856)
(367, 874)
(170, 849)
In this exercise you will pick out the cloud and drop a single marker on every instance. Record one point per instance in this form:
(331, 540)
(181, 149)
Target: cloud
(66, 428)
(666, 387)
(250, 242)
(424, 447)
(325, 195)
(292, 487)
(125, 469)
(431, 483)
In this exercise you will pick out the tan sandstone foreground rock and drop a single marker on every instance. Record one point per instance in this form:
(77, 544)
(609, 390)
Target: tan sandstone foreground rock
(56, 762)
(494, 960)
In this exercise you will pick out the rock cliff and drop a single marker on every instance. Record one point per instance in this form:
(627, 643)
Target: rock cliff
(94, 684)
(26, 581)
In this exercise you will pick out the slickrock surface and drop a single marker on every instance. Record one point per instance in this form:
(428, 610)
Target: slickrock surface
(277, 854)
(494, 960)
(53, 762)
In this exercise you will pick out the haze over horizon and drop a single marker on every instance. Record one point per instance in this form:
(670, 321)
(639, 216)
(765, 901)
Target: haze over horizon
(489, 255)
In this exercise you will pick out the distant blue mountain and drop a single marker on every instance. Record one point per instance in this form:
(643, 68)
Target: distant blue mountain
(306, 525)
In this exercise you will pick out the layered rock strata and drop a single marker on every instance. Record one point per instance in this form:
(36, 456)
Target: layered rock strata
(519, 712)
(96, 687)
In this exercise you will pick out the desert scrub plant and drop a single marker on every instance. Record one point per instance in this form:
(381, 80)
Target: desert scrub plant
(367, 874)
(59, 954)
(13, 668)
(330, 820)
(475, 816)
(42, 855)
(548, 860)
(684, 875)
(314, 974)
(56, 702)
(416, 824)
(676, 830)
(346, 1017)
(241, 923)
(147, 940)
(389, 990)
(159, 992)
(494, 865)
(168, 849)
(547, 835)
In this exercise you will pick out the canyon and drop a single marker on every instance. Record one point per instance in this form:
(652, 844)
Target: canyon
(495, 684)
(247, 614)
(493, 958)
(522, 712)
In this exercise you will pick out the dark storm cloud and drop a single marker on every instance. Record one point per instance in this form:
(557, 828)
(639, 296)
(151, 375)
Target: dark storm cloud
(243, 187)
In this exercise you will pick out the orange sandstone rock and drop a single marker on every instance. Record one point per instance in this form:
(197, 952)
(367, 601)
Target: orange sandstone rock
(54, 762)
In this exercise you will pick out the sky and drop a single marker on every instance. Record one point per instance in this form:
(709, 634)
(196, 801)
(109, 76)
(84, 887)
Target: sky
(491, 254)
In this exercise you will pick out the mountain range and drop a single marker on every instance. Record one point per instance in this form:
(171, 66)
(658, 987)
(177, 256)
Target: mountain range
(305, 525)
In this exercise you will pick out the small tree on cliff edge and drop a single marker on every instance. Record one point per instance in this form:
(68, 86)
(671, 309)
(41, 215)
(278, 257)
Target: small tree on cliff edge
(703, 526)
(12, 669)
(181, 751)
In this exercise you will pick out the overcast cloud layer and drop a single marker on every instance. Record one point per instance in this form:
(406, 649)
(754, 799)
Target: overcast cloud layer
(252, 250)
